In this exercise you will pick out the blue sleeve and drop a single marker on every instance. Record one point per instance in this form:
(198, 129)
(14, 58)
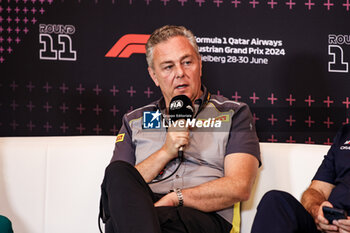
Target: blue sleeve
(327, 172)
(124, 148)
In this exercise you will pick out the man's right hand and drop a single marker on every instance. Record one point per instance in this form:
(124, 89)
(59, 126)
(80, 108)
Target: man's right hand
(313, 199)
(175, 138)
(343, 224)
(322, 223)
(155, 163)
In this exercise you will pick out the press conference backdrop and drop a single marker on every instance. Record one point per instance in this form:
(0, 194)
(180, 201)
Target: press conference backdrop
(75, 67)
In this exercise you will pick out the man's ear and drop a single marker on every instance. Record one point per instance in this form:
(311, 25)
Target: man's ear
(153, 76)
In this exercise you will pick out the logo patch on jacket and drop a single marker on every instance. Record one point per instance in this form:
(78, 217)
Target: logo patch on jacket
(120, 137)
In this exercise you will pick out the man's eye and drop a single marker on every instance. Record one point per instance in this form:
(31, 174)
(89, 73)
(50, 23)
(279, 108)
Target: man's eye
(167, 67)
(187, 62)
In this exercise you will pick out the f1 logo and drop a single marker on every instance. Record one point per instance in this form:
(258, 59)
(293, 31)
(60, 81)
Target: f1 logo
(151, 120)
(128, 45)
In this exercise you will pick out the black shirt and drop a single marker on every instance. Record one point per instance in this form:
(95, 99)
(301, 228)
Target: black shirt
(335, 169)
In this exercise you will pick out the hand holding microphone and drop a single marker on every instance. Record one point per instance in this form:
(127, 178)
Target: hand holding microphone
(180, 109)
(177, 137)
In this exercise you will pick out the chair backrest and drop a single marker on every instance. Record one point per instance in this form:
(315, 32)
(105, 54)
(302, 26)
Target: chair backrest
(52, 184)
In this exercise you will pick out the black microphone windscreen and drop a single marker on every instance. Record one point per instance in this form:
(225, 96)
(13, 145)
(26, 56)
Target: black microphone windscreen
(180, 108)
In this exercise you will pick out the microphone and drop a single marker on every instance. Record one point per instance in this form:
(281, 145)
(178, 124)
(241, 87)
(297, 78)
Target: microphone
(180, 108)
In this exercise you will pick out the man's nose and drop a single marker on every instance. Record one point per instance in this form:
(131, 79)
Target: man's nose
(179, 71)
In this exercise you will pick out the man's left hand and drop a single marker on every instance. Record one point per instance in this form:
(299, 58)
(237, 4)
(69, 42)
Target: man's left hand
(168, 200)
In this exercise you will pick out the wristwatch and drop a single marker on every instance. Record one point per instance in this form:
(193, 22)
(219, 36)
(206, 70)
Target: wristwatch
(179, 196)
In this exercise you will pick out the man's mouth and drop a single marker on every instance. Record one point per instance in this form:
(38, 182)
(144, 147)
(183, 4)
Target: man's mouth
(181, 86)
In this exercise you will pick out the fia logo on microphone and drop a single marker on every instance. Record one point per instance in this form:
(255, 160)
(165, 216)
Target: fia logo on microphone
(177, 104)
(151, 120)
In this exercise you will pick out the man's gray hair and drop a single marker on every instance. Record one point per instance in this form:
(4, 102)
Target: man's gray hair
(165, 33)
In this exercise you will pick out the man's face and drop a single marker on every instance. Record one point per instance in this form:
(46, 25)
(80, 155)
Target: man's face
(177, 69)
